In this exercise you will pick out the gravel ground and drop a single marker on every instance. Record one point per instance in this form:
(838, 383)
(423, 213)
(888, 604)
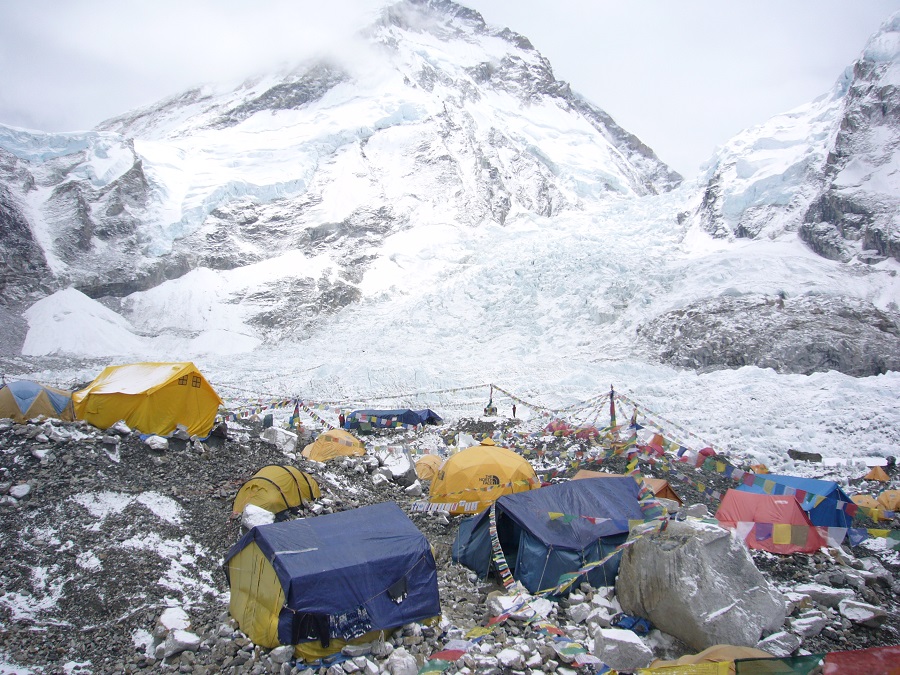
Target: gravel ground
(111, 533)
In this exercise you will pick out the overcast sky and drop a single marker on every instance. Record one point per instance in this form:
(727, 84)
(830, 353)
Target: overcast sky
(682, 75)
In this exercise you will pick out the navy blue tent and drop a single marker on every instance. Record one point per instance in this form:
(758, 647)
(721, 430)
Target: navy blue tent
(373, 419)
(538, 548)
(828, 512)
(342, 575)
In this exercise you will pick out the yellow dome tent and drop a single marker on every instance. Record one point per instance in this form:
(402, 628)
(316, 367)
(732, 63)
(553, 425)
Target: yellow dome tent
(276, 488)
(23, 400)
(153, 398)
(877, 473)
(889, 500)
(427, 467)
(867, 502)
(334, 443)
(474, 478)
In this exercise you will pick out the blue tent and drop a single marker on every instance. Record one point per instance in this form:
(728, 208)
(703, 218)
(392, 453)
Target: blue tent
(538, 548)
(373, 419)
(342, 575)
(828, 512)
(21, 400)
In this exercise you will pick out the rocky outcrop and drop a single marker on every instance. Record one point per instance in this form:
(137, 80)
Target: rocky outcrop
(802, 335)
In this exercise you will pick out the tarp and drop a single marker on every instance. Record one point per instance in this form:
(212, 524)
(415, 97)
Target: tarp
(366, 419)
(555, 530)
(276, 488)
(779, 525)
(473, 479)
(725, 654)
(828, 512)
(153, 398)
(335, 576)
(428, 466)
(23, 400)
(660, 486)
(334, 443)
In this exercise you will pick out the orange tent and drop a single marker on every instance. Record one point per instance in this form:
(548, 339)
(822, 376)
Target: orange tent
(867, 502)
(773, 523)
(877, 473)
(427, 466)
(889, 500)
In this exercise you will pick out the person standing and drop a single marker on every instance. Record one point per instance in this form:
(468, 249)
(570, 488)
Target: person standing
(514, 410)
(341, 420)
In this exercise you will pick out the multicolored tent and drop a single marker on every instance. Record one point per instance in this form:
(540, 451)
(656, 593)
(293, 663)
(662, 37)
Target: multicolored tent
(23, 400)
(773, 523)
(153, 398)
(334, 443)
(822, 499)
(474, 478)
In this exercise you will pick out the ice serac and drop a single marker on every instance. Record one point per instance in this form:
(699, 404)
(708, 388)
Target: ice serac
(435, 118)
(828, 170)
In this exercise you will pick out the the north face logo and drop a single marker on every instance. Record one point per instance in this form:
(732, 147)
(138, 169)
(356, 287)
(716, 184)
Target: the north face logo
(490, 480)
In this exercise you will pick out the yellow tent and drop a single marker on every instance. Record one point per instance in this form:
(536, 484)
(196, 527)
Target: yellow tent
(153, 398)
(660, 486)
(334, 443)
(867, 502)
(474, 478)
(877, 473)
(23, 400)
(889, 500)
(427, 467)
(276, 488)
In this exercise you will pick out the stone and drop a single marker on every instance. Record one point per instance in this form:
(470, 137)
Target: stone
(862, 613)
(511, 658)
(825, 595)
(401, 662)
(621, 650)
(178, 641)
(174, 618)
(20, 491)
(281, 654)
(579, 613)
(157, 443)
(809, 624)
(254, 515)
(284, 440)
(722, 598)
(781, 644)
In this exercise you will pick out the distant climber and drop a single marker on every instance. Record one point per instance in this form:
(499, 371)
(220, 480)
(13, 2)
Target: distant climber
(514, 411)
(341, 420)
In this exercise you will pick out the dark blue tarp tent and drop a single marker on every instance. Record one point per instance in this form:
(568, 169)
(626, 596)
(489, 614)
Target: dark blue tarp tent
(368, 567)
(538, 548)
(373, 419)
(828, 512)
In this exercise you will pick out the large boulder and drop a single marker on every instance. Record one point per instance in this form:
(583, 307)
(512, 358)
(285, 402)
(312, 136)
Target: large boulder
(698, 583)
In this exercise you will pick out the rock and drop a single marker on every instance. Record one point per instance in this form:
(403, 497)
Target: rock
(825, 595)
(579, 613)
(379, 479)
(781, 644)
(809, 624)
(120, 428)
(281, 654)
(621, 650)
(284, 440)
(20, 491)
(174, 618)
(354, 651)
(511, 658)
(401, 662)
(414, 490)
(694, 511)
(178, 641)
(254, 515)
(722, 598)
(862, 613)
(157, 443)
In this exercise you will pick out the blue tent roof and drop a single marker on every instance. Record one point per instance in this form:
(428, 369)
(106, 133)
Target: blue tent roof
(25, 392)
(387, 418)
(596, 514)
(826, 513)
(338, 563)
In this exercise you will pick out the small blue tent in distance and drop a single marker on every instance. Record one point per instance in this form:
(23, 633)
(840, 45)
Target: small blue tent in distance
(828, 512)
(554, 530)
(366, 420)
(320, 582)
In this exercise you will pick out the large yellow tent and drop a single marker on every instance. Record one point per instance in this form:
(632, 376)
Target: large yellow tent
(474, 478)
(276, 488)
(889, 500)
(660, 486)
(153, 398)
(334, 443)
(428, 466)
(23, 400)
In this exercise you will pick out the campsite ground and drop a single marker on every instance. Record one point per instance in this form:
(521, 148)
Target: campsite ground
(112, 533)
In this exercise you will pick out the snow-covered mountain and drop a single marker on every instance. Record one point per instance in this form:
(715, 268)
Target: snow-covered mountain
(436, 202)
